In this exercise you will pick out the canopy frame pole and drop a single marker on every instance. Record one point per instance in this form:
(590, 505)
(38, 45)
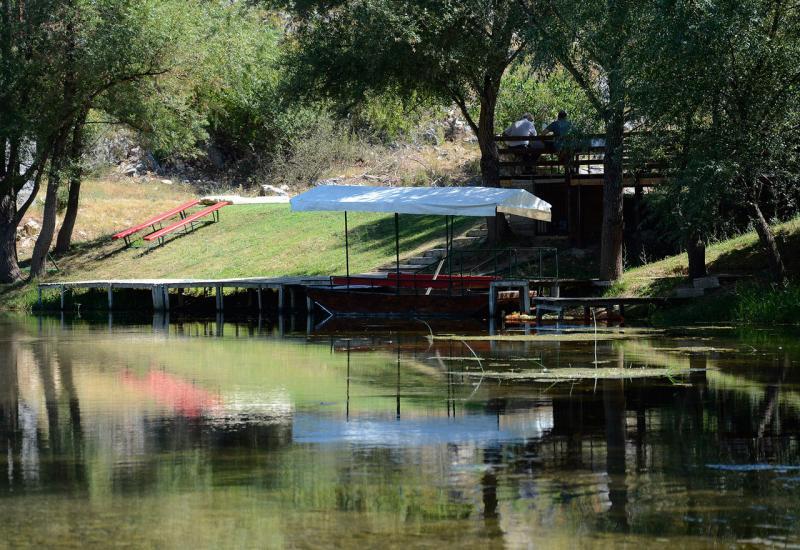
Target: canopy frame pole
(449, 221)
(346, 251)
(397, 247)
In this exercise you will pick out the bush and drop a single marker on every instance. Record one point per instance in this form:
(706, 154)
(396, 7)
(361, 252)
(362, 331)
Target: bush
(310, 156)
(747, 304)
(768, 305)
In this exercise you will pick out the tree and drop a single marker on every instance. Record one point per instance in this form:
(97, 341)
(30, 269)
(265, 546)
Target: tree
(58, 57)
(734, 120)
(457, 51)
(591, 40)
(24, 129)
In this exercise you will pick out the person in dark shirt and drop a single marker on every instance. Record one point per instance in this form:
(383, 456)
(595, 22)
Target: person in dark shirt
(563, 144)
(561, 128)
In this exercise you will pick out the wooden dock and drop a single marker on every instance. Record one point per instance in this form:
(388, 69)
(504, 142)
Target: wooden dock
(292, 296)
(286, 288)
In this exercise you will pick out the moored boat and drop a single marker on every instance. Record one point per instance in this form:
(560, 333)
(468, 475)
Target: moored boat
(386, 302)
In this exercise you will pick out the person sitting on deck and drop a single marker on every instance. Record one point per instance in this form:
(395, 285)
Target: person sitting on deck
(560, 128)
(524, 127)
(561, 145)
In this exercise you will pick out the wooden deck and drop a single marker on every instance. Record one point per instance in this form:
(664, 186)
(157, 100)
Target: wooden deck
(572, 181)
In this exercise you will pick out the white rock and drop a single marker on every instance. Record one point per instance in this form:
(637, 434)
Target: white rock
(270, 190)
(30, 228)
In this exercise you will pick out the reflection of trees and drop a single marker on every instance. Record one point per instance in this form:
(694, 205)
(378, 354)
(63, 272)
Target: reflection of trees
(10, 436)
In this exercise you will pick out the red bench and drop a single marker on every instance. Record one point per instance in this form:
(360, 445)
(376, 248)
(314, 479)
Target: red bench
(154, 220)
(190, 219)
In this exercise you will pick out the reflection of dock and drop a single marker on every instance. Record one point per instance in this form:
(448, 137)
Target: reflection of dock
(286, 288)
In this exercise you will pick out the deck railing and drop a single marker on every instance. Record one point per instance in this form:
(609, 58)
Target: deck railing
(580, 158)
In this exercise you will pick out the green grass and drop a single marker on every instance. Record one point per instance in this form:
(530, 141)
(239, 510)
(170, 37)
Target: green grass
(259, 240)
(250, 241)
(740, 255)
(752, 300)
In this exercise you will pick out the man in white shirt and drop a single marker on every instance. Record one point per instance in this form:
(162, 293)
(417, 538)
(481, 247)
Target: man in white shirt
(524, 127)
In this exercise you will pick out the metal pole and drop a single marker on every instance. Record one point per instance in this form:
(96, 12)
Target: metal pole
(449, 220)
(346, 250)
(397, 247)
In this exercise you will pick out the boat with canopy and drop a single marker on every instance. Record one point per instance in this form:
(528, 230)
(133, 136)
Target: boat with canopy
(413, 294)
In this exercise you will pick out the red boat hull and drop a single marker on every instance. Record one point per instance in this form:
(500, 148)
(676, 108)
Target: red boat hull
(378, 303)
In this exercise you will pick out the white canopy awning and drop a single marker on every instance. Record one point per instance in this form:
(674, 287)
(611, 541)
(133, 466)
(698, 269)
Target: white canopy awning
(443, 201)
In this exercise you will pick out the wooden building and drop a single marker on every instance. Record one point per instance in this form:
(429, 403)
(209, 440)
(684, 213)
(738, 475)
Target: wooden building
(572, 182)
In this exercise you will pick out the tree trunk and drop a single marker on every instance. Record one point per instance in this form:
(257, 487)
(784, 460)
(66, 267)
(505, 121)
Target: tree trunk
(612, 230)
(45, 239)
(9, 268)
(497, 227)
(696, 251)
(776, 267)
(64, 238)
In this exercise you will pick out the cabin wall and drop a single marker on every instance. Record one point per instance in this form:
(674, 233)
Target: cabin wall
(586, 208)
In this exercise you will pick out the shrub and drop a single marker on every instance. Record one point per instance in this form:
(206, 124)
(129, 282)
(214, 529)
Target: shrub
(768, 305)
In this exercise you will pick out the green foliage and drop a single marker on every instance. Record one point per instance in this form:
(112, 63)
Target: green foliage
(453, 51)
(747, 304)
(767, 305)
(543, 94)
(717, 83)
(308, 155)
(388, 116)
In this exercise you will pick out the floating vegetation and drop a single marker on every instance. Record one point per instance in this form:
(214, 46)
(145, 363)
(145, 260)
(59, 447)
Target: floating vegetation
(696, 349)
(582, 373)
(550, 337)
(473, 358)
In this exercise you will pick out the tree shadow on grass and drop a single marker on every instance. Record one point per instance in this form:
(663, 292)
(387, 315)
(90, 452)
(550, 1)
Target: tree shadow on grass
(752, 260)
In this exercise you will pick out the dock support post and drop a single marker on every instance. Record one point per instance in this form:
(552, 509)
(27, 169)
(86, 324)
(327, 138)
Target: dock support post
(492, 300)
(309, 305)
(281, 303)
(110, 297)
(165, 291)
(258, 291)
(525, 294)
(218, 295)
(62, 297)
(158, 298)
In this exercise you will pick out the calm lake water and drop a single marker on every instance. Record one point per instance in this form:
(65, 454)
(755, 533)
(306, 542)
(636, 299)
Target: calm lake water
(201, 435)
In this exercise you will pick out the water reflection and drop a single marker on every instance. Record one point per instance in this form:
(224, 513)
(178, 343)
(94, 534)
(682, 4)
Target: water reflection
(207, 432)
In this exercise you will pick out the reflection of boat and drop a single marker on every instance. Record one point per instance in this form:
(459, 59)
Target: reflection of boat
(169, 390)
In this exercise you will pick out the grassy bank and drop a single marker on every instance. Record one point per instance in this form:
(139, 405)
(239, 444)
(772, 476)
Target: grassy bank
(253, 240)
(749, 298)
